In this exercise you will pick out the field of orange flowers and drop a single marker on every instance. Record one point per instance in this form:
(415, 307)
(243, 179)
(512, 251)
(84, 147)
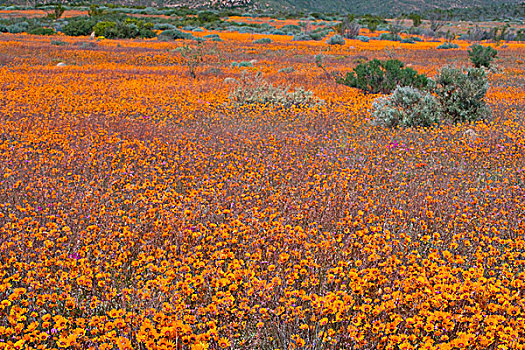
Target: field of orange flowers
(141, 209)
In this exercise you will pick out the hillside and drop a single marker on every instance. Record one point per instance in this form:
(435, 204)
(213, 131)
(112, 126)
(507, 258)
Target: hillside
(384, 6)
(381, 7)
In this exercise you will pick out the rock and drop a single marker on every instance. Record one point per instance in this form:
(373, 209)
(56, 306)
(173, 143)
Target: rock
(61, 64)
(92, 36)
(471, 134)
(253, 62)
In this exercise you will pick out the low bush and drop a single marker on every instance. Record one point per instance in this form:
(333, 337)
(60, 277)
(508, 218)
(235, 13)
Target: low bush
(406, 106)
(287, 70)
(175, 34)
(164, 26)
(17, 28)
(242, 64)
(79, 27)
(301, 37)
(457, 96)
(390, 37)
(42, 31)
(256, 90)
(447, 46)
(362, 38)
(482, 56)
(461, 94)
(263, 41)
(212, 37)
(377, 76)
(336, 40)
(58, 43)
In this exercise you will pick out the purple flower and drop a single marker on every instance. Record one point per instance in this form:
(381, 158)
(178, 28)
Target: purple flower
(74, 256)
(393, 144)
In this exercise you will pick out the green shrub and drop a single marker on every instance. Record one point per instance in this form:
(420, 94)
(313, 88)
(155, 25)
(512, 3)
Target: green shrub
(42, 31)
(18, 28)
(408, 41)
(461, 94)
(482, 56)
(58, 43)
(256, 90)
(406, 106)
(287, 70)
(336, 40)
(79, 27)
(242, 64)
(390, 37)
(416, 19)
(212, 37)
(130, 28)
(3, 28)
(383, 76)
(362, 38)
(175, 34)
(263, 41)
(301, 37)
(102, 27)
(447, 45)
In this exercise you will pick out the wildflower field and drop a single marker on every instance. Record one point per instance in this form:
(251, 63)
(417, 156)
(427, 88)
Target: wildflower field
(142, 208)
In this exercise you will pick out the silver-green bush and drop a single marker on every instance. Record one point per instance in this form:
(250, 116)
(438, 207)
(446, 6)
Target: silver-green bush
(336, 40)
(256, 90)
(456, 96)
(407, 106)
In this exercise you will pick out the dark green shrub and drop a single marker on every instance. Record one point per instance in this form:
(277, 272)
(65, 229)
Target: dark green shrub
(208, 16)
(383, 76)
(416, 19)
(212, 37)
(461, 94)
(58, 11)
(175, 34)
(42, 31)
(58, 43)
(407, 106)
(19, 27)
(482, 56)
(390, 37)
(263, 41)
(79, 27)
(95, 11)
(447, 46)
(3, 28)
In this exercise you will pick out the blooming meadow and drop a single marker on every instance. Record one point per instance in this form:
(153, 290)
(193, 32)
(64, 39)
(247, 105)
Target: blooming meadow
(141, 208)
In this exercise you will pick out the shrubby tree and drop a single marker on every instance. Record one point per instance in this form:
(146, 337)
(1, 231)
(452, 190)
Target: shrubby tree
(481, 56)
